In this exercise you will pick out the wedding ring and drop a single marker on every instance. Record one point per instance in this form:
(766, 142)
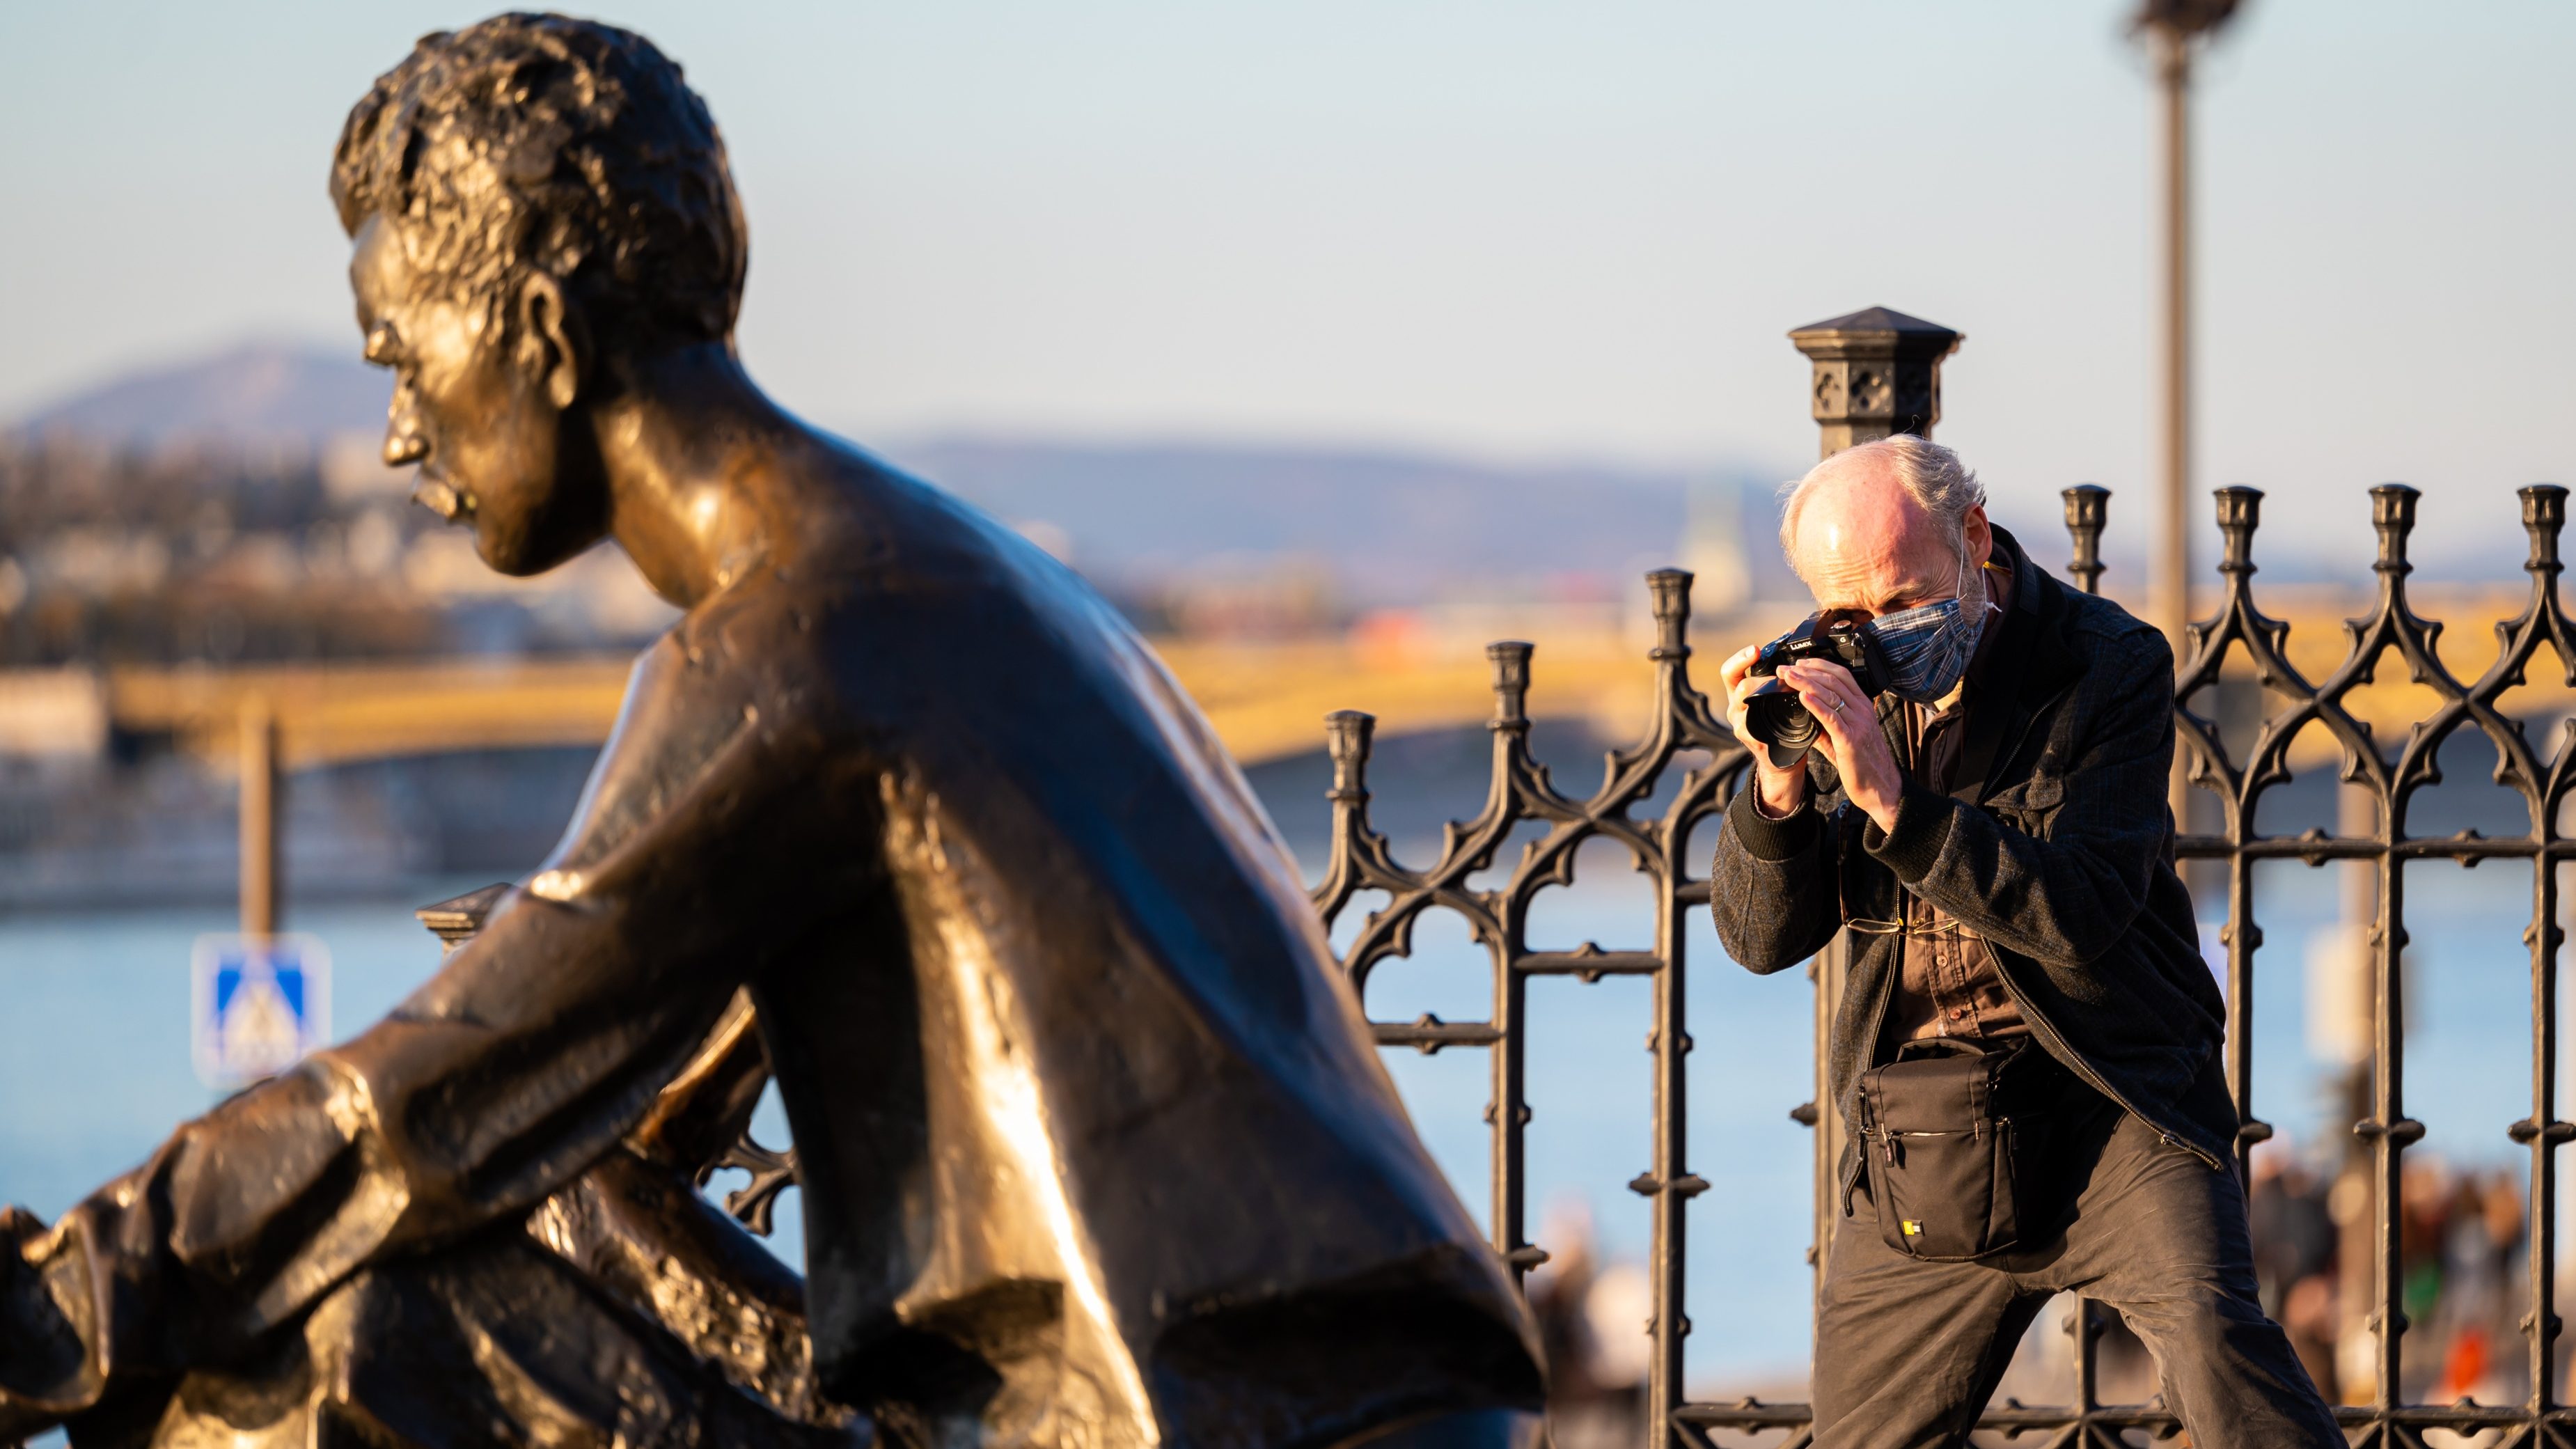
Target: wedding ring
(1835, 705)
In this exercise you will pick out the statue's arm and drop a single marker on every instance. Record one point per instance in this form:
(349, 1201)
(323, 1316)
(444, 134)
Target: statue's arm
(707, 846)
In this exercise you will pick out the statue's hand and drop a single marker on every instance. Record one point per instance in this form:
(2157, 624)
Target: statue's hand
(19, 1230)
(40, 1350)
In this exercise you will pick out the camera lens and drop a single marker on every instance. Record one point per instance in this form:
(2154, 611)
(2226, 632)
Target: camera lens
(1776, 716)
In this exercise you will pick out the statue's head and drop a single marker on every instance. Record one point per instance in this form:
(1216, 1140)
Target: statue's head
(539, 205)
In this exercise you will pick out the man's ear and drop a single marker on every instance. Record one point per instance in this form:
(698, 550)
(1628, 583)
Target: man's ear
(552, 341)
(1979, 538)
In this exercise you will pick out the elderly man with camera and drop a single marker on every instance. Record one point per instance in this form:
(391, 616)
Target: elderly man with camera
(1962, 762)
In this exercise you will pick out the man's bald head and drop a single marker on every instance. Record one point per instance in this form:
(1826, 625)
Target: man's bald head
(1885, 525)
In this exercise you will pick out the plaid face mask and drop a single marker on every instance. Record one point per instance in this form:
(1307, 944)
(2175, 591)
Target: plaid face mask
(1928, 648)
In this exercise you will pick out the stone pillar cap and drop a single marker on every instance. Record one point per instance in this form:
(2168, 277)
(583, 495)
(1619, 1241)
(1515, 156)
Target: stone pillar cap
(1880, 329)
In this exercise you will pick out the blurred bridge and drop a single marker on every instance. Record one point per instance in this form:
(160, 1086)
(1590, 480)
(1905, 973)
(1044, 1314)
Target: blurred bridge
(1267, 698)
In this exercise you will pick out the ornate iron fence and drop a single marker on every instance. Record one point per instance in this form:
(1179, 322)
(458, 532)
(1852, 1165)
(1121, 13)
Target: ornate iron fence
(1682, 719)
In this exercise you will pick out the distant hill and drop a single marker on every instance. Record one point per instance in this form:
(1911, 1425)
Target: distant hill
(1393, 527)
(1396, 527)
(264, 394)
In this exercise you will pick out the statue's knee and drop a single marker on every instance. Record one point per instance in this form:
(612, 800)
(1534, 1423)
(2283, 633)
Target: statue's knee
(340, 1320)
(346, 1306)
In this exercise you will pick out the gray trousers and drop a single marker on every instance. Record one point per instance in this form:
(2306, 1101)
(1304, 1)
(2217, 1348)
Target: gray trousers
(1908, 1352)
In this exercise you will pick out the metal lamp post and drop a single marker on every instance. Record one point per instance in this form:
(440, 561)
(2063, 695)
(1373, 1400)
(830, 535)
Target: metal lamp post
(2174, 31)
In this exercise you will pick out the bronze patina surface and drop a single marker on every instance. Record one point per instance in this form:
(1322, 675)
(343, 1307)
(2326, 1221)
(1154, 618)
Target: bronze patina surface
(1095, 1148)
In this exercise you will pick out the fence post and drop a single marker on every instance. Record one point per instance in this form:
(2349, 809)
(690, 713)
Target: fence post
(1874, 373)
(258, 807)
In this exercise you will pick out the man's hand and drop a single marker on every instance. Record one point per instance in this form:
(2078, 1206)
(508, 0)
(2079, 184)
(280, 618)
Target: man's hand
(1852, 738)
(1777, 791)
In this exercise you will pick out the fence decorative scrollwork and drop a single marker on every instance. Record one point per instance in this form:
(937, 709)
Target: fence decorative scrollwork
(1522, 791)
(1681, 719)
(2390, 781)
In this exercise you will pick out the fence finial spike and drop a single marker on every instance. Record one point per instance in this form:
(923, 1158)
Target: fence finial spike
(1347, 736)
(2088, 508)
(2544, 515)
(2240, 512)
(2392, 514)
(1670, 591)
(1511, 659)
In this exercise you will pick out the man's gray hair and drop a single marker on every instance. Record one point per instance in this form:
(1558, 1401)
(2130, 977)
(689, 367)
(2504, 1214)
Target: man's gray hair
(1941, 485)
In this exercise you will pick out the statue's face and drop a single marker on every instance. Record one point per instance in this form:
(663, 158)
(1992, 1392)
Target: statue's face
(491, 426)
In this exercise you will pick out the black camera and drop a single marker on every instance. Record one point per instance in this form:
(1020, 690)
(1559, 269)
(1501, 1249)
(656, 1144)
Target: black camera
(1774, 714)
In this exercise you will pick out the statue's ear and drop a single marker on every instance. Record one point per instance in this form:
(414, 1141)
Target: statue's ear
(553, 343)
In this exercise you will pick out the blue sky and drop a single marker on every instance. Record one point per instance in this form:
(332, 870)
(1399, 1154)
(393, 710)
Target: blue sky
(1513, 230)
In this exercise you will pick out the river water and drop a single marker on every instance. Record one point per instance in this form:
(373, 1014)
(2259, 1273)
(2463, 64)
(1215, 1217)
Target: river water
(94, 1059)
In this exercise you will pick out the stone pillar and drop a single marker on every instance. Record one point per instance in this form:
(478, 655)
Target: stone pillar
(1877, 373)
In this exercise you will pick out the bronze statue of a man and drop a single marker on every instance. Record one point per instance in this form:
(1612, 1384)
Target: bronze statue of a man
(1095, 1147)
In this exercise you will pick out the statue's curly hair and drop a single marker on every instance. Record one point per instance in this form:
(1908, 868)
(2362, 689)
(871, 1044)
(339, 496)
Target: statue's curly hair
(542, 143)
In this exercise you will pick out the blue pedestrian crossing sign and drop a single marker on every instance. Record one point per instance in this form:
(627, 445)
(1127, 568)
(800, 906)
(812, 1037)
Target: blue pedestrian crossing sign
(258, 1004)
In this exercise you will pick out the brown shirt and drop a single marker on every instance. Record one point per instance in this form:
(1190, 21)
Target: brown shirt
(1947, 985)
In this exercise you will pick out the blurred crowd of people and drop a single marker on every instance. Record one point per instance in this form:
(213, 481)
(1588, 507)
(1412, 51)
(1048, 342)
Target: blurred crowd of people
(1591, 1322)
(2464, 1244)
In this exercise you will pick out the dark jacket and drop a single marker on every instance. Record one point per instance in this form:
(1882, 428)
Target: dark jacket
(2057, 847)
